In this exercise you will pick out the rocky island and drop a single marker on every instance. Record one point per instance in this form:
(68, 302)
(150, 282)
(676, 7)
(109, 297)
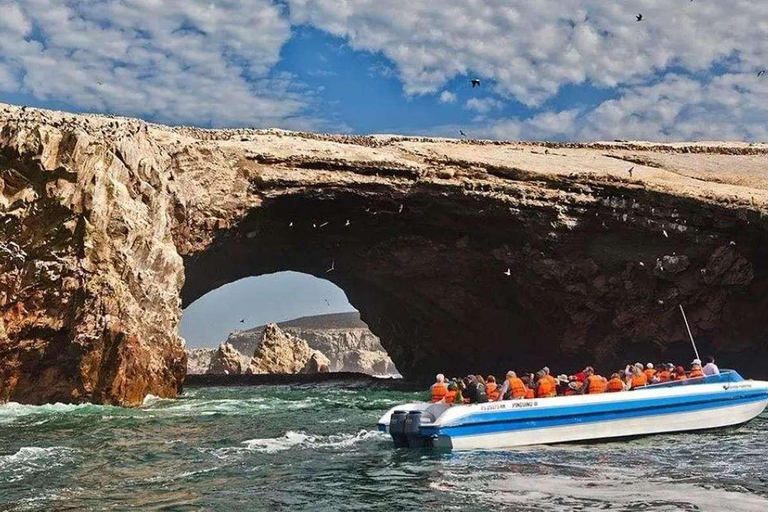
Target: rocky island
(460, 255)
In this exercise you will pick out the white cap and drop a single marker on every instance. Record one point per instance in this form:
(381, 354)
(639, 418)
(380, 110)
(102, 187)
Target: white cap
(696, 361)
(639, 365)
(510, 373)
(649, 366)
(440, 377)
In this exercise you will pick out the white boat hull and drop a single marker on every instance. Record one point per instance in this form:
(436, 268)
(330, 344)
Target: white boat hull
(655, 410)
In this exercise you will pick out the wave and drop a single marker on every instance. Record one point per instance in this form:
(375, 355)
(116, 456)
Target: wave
(300, 440)
(29, 459)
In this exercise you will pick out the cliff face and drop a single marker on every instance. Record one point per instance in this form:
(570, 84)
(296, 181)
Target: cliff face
(460, 255)
(278, 352)
(343, 338)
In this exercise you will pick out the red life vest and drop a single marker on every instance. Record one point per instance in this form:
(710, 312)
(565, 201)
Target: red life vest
(492, 390)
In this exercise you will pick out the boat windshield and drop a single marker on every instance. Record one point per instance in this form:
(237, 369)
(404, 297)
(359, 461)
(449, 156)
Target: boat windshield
(723, 377)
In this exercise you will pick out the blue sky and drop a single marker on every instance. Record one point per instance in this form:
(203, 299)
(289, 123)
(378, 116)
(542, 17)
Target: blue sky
(259, 300)
(550, 69)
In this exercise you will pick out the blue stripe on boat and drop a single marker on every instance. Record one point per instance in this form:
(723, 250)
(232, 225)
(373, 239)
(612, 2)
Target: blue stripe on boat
(535, 417)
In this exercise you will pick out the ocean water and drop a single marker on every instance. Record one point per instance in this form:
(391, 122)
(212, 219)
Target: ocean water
(317, 448)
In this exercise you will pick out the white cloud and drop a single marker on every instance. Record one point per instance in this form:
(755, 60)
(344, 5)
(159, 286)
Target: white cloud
(732, 107)
(483, 105)
(447, 97)
(532, 49)
(188, 61)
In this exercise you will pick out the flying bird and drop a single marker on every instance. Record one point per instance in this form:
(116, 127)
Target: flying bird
(400, 210)
(324, 224)
(508, 272)
(290, 224)
(333, 267)
(666, 235)
(99, 83)
(639, 17)
(242, 320)
(462, 133)
(327, 303)
(761, 73)
(475, 82)
(630, 170)
(347, 223)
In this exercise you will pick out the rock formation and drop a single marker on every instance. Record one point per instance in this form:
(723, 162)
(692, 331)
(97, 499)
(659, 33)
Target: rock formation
(226, 360)
(346, 340)
(460, 255)
(199, 360)
(279, 352)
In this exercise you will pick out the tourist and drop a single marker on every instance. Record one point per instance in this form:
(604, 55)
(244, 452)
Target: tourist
(696, 371)
(530, 386)
(452, 395)
(638, 379)
(545, 388)
(710, 368)
(665, 373)
(680, 373)
(595, 383)
(491, 389)
(513, 388)
(615, 384)
(439, 389)
(649, 372)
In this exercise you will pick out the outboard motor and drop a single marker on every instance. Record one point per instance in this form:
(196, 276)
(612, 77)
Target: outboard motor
(397, 428)
(412, 434)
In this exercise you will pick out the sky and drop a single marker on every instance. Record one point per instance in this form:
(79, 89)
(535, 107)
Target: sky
(549, 69)
(258, 300)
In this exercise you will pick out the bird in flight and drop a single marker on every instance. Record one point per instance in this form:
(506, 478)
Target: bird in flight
(333, 267)
(242, 320)
(327, 303)
(348, 223)
(462, 133)
(630, 170)
(400, 210)
(761, 73)
(99, 83)
(508, 272)
(639, 17)
(475, 82)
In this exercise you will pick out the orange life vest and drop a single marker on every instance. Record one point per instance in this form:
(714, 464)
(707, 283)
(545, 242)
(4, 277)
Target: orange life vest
(665, 376)
(615, 385)
(450, 396)
(680, 377)
(492, 390)
(696, 373)
(546, 388)
(516, 388)
(529, 394)
(595, 384)
(649, 373)
(552, 381)
(439, 390)
(639, 380)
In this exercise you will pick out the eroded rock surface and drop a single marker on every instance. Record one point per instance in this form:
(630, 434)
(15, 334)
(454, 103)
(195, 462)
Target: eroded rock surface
(226, 360)
(278, 352)
(460, 255)
(199, 360)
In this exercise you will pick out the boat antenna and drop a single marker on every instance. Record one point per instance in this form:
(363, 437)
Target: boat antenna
(695, 351)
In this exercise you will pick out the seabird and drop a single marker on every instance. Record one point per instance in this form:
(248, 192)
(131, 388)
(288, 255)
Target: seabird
(508, 272)
(242, 320)
(347, 223)
(761, 73)
(462, 133)
(333, 267)
(328, 303)
(665, 233)
(324, 224)
(630, 171)
(639, 17)
(400, 210)
(475, 82)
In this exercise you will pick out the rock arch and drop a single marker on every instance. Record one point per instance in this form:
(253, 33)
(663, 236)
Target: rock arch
(461, 255)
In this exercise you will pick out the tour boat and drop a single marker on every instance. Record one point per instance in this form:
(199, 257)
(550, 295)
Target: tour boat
(696, 404)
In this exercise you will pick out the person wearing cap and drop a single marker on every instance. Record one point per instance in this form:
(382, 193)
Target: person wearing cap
(439, 389)
(649, 371)
(638, 378)
(696, 369)
(544, 385)
(710, 368)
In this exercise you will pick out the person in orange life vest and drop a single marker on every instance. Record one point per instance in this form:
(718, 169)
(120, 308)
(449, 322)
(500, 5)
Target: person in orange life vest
(544, 386)
(638, 378)
(513, 388)
(491, 389)
(595, 383)
(552, 380)
(680, 373)
(530, 386)
(439, 389)
(649, 372)
(452, 395)
(695, 369)
(615, 384)
(665, 374)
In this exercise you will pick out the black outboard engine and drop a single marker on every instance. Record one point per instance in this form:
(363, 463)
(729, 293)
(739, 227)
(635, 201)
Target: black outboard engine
(412, 434)
(397, 428)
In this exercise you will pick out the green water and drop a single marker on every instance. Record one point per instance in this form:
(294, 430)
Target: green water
(282, 448)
